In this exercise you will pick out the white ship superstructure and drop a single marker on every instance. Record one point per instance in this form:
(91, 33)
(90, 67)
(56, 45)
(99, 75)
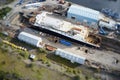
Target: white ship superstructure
(77, 32)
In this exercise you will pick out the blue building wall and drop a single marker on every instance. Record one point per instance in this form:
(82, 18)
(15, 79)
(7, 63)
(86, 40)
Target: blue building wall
(83, 13)
(81, 18)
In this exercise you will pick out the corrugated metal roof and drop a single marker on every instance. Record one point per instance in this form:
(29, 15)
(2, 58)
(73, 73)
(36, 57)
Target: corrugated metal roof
(83, 11)
(29, 38)
(70, 56)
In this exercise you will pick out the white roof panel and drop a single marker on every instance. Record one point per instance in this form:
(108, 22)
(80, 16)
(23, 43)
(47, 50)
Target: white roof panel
(84, 11)
(72, 57)
(29, 38)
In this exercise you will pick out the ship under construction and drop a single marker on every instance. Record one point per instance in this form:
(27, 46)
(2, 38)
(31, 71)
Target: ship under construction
(48, 23)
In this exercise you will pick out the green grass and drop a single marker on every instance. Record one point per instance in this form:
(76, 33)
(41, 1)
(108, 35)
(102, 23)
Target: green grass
(40, 50)
(13, 64)
(24, 54)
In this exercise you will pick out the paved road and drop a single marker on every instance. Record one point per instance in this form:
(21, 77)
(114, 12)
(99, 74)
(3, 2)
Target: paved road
(99, 4)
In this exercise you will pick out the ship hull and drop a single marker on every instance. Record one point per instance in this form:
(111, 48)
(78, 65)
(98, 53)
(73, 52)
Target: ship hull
(44, 30)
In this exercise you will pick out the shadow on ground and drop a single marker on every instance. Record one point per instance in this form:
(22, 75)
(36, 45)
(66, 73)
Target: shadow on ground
(22, 44)
(62, 61)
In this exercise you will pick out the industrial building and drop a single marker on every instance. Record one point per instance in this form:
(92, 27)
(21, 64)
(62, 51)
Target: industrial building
(80, 13)
(90, 16)
(30, 39)
(70, 56)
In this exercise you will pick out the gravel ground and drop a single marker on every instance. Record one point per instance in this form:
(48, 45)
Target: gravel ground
(106, 58)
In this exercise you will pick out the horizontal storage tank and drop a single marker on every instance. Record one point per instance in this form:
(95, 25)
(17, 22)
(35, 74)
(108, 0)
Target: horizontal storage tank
(70, 56)
(30, 39)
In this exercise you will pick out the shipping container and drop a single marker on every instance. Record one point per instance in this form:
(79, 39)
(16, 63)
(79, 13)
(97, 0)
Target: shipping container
(62, 41)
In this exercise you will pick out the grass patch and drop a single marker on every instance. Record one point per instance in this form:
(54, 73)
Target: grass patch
(41, 50)
(14, 66)
(11, 64)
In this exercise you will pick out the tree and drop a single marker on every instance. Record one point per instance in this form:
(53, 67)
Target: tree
(4, 11)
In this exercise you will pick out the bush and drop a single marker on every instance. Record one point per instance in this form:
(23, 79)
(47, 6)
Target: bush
(79, 71)
(44, 61)
(3, 62)
(48, 63)
(70, 70)
(77, 78)
(23, 53)
(40, 50)
(19, 57)
(30, 65)
(74, 71)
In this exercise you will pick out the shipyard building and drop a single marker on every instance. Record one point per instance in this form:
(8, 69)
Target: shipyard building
(90, 16)
(70, 56)
(80, 13)
(30, 39)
